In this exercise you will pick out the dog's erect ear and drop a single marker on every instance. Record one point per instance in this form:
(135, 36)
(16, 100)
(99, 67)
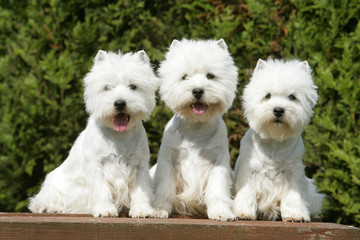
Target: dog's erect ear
(143, 56)
(100, 55)
(305, 66)
(221, 43)
(260, 65)
(175, 43)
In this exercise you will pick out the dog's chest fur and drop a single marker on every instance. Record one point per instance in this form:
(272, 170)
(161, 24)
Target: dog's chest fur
(192, 154)
(273, 165)
(195, 145)
(122, 158)
(121, 150)
(123, 164)
(194, 150)
(119, 172)
(120, 162)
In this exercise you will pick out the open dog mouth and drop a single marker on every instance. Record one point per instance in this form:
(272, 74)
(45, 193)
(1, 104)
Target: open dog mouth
(121, 122)
(198, 108)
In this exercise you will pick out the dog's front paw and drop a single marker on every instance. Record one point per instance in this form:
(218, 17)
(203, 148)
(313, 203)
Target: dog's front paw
(159, 213)
(294, 211)
(166, 206)
(223, 214)
(296, 218)
(245, 213)
(104, 211)
(141, 212)
(245, 216)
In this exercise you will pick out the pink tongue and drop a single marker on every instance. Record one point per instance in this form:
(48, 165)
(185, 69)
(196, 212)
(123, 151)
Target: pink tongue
(198, 108)
(120, 122)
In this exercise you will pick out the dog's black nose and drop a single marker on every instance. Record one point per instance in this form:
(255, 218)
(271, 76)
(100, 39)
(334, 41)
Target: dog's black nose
(278, 112)
(198, 92)
(120, 105)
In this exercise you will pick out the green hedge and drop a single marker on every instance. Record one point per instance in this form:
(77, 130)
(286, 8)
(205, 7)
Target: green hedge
(47, 46)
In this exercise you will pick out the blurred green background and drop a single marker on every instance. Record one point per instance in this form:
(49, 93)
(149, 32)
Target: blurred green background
(47, 46)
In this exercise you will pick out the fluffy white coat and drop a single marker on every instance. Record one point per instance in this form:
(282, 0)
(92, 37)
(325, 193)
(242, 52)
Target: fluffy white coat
(269, 173)
(193, 174)
(107, 168)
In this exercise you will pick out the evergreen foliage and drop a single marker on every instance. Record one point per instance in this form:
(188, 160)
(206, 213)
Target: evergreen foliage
(47, 46)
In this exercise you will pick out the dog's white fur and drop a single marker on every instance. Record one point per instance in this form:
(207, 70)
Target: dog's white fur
(193, 174)
(107, 169)
(269, 172)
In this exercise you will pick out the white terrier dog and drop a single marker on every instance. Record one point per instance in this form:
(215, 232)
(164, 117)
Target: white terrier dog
(107, 168)
(269, 172)
(193, 174)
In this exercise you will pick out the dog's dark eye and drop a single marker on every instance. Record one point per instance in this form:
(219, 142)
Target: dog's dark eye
(106, 88)
(268, 96)
(184, 77)
(132, 86)
(210, 76)
(292, 97)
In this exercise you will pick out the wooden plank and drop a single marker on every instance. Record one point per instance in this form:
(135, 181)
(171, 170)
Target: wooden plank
(60, 226)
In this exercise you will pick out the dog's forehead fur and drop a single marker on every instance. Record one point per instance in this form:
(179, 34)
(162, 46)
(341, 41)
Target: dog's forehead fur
(283, 75)
(122, 69)
(282, 78)
(201, 56)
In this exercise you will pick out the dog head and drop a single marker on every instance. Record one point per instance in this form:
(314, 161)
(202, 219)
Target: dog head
(198, 79)
(120, 89)
(279, 99)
